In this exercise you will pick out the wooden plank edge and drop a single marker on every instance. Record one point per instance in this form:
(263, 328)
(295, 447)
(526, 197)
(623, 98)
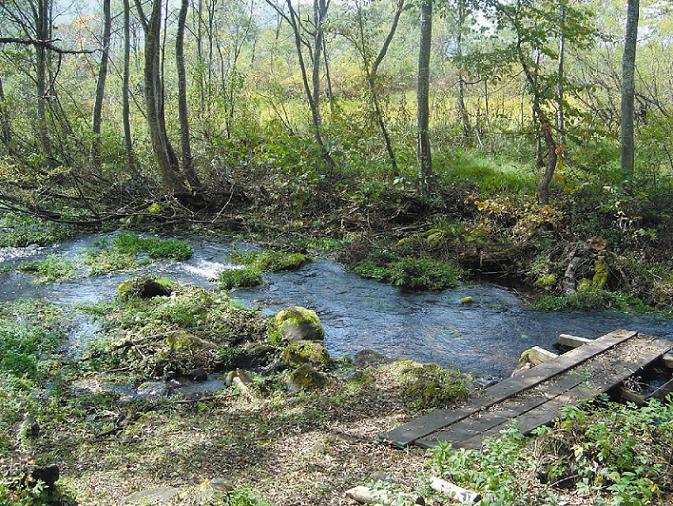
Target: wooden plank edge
(571, 341)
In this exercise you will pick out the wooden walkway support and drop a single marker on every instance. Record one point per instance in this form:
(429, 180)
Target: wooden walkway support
(536, 396)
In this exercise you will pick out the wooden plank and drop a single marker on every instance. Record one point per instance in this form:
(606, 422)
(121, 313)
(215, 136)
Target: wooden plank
(631, 396)
(571, 341)
(668, 360)
(661, 392)
(425, 425)
(537, 355)
(551, 410)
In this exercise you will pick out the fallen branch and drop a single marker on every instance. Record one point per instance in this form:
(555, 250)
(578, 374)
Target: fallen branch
(131, 344)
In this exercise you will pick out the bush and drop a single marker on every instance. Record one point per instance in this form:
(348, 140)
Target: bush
(50, 270)
(592, 300)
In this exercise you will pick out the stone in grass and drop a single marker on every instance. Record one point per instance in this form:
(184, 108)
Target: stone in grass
(156, 495)
(213, 490)
(305, 378)
(299, 353)
(144, 287)
(298, 324)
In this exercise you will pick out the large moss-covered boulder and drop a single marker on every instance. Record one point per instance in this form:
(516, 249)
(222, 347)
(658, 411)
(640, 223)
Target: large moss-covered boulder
(299, 353)
(306, 378)
(298, 324)
(144, 287)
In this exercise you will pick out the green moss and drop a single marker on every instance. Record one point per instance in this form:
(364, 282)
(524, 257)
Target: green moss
(588, 299)
(270, 260)
(144, 287)
(601, 272)
(50, 270)
(546, 281)
(297, 324)
(426, 386)
(467, 300)
(240, 278)
(18, 230)
(305, 352)
(306, 377)
(411, 273)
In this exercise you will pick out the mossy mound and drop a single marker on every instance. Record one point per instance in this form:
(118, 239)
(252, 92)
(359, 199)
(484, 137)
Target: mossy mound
(297, 323)
(409, 273)
(271, 260)
(427, 386)
(240, 278)
(144, 287)
(299, 353)
(306, 377)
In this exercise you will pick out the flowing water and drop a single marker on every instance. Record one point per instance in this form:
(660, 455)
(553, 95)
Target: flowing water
(485, 337)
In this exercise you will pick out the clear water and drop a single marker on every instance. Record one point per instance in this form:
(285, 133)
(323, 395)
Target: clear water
(485, 338)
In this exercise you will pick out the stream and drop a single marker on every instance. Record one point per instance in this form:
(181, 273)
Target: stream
(484, 338)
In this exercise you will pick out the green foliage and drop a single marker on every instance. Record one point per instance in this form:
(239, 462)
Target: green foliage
(591, 299)
(270, 260)
(243, 497)
(52, 269)
(409, 273)
(240, 278)
(29, 331)
(18, 230)
(127, 250)
(608, 453)
(15, 493)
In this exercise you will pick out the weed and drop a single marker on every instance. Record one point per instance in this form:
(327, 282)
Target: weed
(50, 270)
(240, 278)
(270, 260)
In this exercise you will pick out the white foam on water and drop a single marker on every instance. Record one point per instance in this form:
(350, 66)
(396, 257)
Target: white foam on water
(209, 270)
(7, 254)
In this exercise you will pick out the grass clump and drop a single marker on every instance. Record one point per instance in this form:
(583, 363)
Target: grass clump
(606, 453)
(427, 386)
(270, 260)
(593, 300)
(125, 252)
(240, 278)
(52, 269)
(410, 273)
(19, 230)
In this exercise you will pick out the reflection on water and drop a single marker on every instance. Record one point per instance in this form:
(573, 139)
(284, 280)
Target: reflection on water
(485, 337)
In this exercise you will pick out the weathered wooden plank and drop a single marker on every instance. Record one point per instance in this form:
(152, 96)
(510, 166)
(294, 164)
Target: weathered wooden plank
(537, 355)
(668, 360)
(511, 408)
(551, 410)
(425, 425)
(571, 341)
(631, 396)
(661, 392)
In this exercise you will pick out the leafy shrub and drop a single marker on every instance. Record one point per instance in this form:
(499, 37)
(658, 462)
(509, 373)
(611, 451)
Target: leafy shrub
(18, 230)
(591, 300)
(240, 278)
(50, 270)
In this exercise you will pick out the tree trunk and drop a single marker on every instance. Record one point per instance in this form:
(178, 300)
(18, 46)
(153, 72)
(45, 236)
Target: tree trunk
(462, 110)
(156, 121)
(560, 120)
(628, 87)
(183, 111)
(42, 28)
(100, 85)
(126, 109)
(5, 121)
(424, 154)
(545, 180)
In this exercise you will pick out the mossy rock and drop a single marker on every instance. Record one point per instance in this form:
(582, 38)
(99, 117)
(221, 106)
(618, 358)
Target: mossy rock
(305, 352)
(427, 386)
(306, 377)
(298, 324)
(144, 287)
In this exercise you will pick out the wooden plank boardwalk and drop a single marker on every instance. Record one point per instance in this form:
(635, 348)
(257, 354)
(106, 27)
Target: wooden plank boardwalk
(536, 396)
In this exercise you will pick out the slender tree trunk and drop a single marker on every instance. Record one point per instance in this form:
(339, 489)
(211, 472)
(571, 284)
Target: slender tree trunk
(183, 111)
(462, 110)
(126, 109)
(550, 168)
(5, 121)
(628, 87)
(560, 119)
(100, 85)
(424, 154)
(42, 25)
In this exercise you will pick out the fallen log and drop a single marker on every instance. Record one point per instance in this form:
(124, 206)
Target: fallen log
(454, 492)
